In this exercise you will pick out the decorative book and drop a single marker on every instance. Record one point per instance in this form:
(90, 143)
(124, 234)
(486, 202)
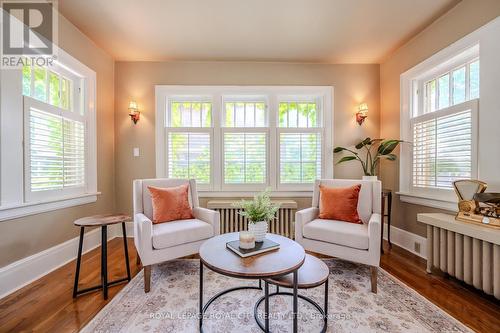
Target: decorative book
(260, 247)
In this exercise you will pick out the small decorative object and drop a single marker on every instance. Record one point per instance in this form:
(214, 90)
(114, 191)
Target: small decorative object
(265, 246)
(133, 111)
(371, 160)
(259, 212)
(247, 240)
(362, 113)
(476, 206)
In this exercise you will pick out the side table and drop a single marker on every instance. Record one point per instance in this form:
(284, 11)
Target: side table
(101, 221)
(386, 195)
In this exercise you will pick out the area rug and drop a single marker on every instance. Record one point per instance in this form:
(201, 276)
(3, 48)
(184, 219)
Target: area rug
(172, 304)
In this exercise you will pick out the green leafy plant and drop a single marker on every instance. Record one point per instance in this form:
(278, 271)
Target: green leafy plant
(259, 209)
(384, 149)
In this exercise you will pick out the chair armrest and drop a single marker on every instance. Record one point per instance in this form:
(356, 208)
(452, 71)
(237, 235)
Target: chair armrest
(143, 234)
(210, 216)
(374, 234)
(302, 217)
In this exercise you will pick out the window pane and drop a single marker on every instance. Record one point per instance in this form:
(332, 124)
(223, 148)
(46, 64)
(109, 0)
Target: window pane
(65, 93)
(190, 114)
(283, 114)
(229, 115)
(185, 110)
(302, 113)
(40, 76)
(260, 115)
(175, 115)
(459, 86)
(431, 96)
(474, 79)
(249, 115)
(196, 114)
(239, 115)
(46, 151)
(300, 157)
(54, 86)
(189, 156)
(206, 115)
(27, 80)
(312, 119)
(292, 115)
(244, 158)
(444, 91)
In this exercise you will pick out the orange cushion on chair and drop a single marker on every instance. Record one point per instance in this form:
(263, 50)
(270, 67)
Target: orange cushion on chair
(170, 204)
(339, 203)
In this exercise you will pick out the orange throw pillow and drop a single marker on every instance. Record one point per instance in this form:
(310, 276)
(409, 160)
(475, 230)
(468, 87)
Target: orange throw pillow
(339, 203)
(170, 204)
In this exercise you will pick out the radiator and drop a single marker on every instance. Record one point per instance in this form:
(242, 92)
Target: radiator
(467, 252)
(231, 221)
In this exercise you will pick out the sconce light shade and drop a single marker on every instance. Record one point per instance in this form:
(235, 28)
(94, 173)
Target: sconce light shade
(362, 113)
(133, 111)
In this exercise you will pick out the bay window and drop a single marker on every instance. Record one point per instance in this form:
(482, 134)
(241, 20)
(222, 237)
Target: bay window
(243, 139)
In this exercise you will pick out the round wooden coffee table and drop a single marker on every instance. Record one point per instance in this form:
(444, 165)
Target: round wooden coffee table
(283, 261)
(313, 273)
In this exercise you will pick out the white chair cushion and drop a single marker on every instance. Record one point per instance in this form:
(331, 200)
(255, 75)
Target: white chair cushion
(338, 232)
(175, 233)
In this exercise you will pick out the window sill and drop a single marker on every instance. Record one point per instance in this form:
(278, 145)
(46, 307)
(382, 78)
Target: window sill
(434, 202)
(31, 208)
(242, 194)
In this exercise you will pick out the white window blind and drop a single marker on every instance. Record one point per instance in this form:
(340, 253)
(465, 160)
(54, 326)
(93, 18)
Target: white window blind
(55, 150)
(189, 156)
(300, 157)
(189, 139)
(245, 158)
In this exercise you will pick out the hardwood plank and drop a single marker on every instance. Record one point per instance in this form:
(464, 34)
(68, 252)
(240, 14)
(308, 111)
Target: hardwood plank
(46, 305)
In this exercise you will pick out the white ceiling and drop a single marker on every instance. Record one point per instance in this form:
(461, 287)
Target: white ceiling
(330, 31)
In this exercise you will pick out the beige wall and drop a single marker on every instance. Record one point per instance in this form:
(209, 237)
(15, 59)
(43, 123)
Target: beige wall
(466, 17)
(23, 237)
(352, 84)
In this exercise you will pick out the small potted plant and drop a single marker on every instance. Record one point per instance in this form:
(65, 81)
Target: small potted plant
(371, 159)
(259, 212)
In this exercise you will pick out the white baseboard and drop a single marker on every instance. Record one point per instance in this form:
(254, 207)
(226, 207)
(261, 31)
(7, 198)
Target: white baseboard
(29, 269)
(407, 240)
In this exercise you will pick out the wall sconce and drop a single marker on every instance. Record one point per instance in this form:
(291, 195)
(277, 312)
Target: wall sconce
(133, 111)
(362, 113)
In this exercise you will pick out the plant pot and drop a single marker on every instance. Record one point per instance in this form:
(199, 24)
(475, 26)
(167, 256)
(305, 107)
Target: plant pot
(370, 178)
(259, 230)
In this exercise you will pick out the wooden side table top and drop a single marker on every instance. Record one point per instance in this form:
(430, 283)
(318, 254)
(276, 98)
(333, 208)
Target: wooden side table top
(215, 255)
(100, 220)
(312, 273)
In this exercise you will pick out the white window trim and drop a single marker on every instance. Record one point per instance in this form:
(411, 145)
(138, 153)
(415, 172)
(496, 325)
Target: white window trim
(12, 189)
(272, 94)
(463, 50)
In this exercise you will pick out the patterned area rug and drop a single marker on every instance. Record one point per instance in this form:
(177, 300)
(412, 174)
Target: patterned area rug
(172, 304)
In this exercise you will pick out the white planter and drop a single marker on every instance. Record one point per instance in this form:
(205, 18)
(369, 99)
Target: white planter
(370, 178)
(259, 230)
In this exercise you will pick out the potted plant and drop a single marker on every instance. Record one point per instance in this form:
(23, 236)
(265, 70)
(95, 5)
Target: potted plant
(259, 212)
(372, 158)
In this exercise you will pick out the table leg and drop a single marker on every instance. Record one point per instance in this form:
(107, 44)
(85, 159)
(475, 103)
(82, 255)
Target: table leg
(125, 246)
(201, 294)
(326, 303)
(78, 262)
(266, 306)
(104, 260)
(295, 299)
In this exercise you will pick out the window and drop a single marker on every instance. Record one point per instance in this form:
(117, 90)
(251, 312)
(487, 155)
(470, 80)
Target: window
(237, 139)
(54, 135)
(49, 142)
(189, 139)
(442, 126)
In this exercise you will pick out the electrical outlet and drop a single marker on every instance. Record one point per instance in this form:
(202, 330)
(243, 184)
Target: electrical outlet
(417, 247)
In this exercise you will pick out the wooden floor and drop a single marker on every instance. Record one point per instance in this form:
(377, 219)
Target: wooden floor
(47, 305)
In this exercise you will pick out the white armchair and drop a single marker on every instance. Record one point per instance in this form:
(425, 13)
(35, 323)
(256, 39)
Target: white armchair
(349, 241)
(156, 243)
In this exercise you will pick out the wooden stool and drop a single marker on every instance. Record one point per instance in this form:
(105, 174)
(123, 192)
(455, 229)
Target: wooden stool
(101, 221)
(313, 273)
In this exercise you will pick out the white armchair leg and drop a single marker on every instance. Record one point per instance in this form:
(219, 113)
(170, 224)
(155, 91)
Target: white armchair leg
(147, 278)
(373, 273)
